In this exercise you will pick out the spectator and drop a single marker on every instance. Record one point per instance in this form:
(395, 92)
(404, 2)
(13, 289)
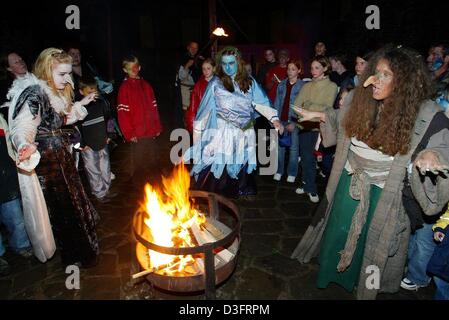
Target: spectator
(317, 95)
(94, 138)
(320, 49)
(198, 92)
(361, 62)
(270, 62)
(138, 116)
(276, 74)
(10, 206)
(287, 91)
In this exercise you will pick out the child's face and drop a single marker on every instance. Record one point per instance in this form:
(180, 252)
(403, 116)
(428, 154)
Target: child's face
(132, 70)
(88, 90)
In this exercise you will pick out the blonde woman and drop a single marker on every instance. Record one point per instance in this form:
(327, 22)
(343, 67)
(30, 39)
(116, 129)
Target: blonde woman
(40, 105)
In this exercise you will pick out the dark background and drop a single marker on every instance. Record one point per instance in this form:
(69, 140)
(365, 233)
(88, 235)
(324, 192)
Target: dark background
(157, 31)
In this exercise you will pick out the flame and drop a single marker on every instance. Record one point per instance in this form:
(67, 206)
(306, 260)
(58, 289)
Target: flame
(169, 216)
(219, 32)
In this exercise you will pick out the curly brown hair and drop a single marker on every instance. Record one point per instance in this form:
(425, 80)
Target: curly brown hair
(242, 78)
(387, 125)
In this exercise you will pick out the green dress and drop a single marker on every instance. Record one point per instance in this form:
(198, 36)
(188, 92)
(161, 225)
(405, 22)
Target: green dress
(336, 233)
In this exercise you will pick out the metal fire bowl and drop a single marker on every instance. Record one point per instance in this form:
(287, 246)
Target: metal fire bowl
(195, 283)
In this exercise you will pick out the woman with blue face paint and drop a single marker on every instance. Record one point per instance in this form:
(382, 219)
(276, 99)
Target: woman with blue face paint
(224, 141)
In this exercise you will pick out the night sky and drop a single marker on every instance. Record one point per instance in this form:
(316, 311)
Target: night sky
(157, 30)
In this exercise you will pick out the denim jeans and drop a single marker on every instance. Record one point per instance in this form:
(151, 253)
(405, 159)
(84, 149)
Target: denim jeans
(420, 250)
(292, 169)
(307, 142)
(442, 292)
(12, 217)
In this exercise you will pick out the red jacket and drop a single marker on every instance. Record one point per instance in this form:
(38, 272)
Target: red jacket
(281, 73)
(197, 94)
(137, 110)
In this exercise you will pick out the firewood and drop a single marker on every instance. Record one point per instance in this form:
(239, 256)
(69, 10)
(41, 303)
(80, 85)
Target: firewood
(204, 236)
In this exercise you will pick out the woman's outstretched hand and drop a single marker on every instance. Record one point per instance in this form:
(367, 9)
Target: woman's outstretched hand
(428, 161)
(278, 126)
(306, 115)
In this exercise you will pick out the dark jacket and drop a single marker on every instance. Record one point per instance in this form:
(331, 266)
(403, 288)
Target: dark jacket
(93, 128)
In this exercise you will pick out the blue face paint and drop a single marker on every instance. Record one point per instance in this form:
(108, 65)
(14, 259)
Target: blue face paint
(437, 64)
(229, 65)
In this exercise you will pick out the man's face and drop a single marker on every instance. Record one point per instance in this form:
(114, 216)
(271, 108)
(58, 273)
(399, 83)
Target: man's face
(76, 56)
(192, 48)
(320, 49)
(269, 56)
(334, 64)
(16, 65)
(283, 59)
(229, 65)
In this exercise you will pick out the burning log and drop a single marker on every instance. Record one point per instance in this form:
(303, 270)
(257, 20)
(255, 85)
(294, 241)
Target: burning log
(203, 236)
(149, 271)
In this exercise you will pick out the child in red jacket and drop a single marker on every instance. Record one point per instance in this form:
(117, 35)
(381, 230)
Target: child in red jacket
(137, 113)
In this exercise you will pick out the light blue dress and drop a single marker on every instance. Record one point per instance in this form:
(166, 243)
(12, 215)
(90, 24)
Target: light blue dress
(223, 133)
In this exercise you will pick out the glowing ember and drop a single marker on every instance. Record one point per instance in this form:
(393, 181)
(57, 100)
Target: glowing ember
(170, 216)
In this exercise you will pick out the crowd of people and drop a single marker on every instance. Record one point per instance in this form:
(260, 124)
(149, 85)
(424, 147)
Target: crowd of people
(376, 127)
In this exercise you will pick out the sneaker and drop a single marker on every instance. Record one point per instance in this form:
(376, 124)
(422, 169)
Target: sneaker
(4, 267)
(291, 179)
(314, 197)
(300, 191)
(407, 284)
(277, 177)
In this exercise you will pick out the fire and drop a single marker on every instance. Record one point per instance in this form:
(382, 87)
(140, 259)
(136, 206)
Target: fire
(169, 216)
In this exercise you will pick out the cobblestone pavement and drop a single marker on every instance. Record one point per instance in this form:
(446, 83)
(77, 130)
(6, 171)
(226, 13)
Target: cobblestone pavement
(272, 226)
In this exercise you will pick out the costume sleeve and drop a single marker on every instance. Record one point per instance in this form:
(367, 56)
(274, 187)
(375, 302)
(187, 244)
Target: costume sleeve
(329, 130)
(77, 113)
(23, 129)
(124, 113)
(193, 108)
(432, 192)
(206, 117)
(262, 103)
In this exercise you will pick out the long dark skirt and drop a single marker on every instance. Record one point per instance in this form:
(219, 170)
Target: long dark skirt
(72, 215)
(226, 186)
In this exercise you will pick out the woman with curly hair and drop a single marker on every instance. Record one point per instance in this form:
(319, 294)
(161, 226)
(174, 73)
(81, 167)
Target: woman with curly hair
(388, 131)
(224, 140)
